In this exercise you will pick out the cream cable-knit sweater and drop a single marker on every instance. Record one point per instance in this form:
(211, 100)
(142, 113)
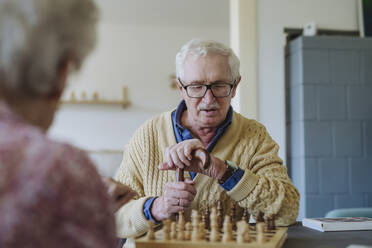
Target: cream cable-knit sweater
(265, 185)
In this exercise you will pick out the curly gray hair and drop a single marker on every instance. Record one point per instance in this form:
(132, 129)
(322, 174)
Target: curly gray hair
(200, 48)
(37, 35)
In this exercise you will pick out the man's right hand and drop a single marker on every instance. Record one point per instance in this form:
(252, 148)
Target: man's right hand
(177, 196)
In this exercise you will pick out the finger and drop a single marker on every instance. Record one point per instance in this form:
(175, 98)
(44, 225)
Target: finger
(176, 209)
(168, 158)
(194, 144)
(181, 186)
(182, 157)
(184, 203)
(166, 166)
(181, 194)
(177, 162)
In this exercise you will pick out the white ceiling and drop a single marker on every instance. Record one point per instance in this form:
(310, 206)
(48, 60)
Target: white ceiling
(166, 12)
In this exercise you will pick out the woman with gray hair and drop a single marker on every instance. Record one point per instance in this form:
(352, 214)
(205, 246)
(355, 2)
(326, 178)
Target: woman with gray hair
(50, 193)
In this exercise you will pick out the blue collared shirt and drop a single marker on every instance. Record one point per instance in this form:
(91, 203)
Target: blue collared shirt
(181, 133)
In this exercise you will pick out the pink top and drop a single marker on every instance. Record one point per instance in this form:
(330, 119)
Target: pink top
(50, 193)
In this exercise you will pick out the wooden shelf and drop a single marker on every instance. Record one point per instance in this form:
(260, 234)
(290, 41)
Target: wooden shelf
(96, 101)
(124, 104)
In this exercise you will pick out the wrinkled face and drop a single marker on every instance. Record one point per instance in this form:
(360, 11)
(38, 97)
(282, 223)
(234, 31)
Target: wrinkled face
(208, 111)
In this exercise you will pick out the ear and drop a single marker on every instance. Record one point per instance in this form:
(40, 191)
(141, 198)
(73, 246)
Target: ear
(235, 86)
(62, 74)
(182, 92)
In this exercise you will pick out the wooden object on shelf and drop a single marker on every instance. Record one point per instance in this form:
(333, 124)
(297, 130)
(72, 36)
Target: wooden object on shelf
(96, 100)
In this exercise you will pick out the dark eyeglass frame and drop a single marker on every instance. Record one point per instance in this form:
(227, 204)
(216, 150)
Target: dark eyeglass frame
(209, 87)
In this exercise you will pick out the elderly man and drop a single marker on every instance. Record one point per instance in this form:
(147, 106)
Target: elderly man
(50, 193)
(244, 165)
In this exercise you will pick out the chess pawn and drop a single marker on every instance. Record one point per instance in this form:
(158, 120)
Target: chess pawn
(260, 217)
(260, 232)
(150, 233)
(201, 233)
(227, 230)
(205, 218)
(240, 232)
(214, 234)
(181, 227)
(233, 215)
(166, 229)
(243, 234)
(219, 214)
(246, 215)
(188, 227)
(195, 225)
(173, 230)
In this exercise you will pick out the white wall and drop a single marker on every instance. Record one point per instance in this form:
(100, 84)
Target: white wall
(137, 44)
(273, 16)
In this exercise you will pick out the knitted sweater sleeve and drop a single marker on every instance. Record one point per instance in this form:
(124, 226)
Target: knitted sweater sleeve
(265, 186)
(130, 219)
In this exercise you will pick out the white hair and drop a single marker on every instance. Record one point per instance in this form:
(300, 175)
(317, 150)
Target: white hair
(201, 48)
(37, 35)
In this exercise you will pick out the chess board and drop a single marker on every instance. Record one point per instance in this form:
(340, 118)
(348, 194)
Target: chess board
(273, 239)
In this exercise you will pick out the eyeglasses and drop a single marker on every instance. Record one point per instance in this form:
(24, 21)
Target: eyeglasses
(219, 89)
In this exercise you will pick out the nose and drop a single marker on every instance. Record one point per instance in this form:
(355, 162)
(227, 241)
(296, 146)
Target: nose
(208, 97)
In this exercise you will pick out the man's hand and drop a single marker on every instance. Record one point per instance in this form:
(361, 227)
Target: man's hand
(177, 196)
(181, 156)
(119, 193)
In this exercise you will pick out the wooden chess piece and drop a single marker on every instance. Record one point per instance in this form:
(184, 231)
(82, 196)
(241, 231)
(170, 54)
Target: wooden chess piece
(246, 215)
(219, 214)
(260, 217)
(272, 222)
(188, 228)
(227, 230)
(260, 232)
(246, 235)
(240, 232)
(201, 233)
(233, 215)
(206, 219)
(173, 230)
(180, 227)
(214, 234)
(166, 229)
(150, 233)
(195, 225)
